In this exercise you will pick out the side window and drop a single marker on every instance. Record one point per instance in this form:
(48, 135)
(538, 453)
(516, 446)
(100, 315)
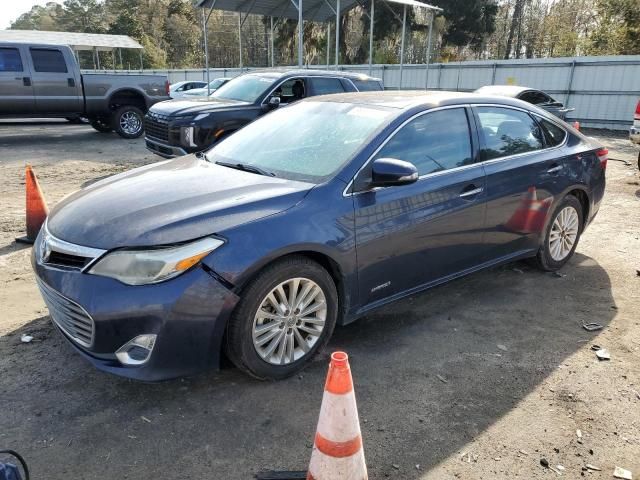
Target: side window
(433, 142)
(291, 90)
(47, 60)
(554, 134)
(324, 86)
(10, 60)
(367, 85)
(507, 132)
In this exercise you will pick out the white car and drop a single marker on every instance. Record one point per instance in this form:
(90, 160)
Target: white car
(213, 86)
(179, 89)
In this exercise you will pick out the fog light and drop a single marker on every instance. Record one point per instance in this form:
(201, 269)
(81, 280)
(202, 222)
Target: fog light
(187, 137)
(136, 351)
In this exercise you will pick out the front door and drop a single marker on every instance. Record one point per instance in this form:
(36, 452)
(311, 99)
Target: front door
(55, 85)
(16, 90)
(412, 235)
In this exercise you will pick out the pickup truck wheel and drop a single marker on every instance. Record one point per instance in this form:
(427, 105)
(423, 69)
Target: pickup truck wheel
(128, 121)
(100, 125)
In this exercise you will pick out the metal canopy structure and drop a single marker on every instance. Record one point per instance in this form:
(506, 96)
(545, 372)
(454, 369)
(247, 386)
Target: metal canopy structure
(96, 42)
(310, 10)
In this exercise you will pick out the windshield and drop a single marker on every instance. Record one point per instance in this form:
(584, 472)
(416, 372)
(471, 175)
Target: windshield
(307, 141)
(247, 88)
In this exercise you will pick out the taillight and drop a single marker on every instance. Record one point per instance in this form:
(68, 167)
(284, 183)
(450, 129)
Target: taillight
(603, 156)
(166, 87)
(636, 116)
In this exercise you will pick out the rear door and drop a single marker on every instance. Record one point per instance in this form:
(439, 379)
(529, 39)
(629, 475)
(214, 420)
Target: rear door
(56, 83)
(411, 235)
(16, 90)
(324, 86)
(523, 174)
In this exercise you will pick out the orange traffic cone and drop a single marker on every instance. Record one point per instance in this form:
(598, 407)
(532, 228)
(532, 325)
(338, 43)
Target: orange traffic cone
(337, 451)
(530, 215)
(37, 210)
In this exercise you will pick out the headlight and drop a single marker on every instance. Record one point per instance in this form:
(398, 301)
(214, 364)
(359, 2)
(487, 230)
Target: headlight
(186, 137)
(141, 267)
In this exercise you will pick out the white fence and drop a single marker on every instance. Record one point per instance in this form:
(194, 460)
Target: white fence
(603, 90)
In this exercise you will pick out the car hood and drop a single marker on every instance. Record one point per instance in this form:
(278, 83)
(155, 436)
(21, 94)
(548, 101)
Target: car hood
(194, 105)
(169, 202)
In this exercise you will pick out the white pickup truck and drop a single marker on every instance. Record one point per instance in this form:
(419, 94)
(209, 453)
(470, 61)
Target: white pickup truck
(45, 81)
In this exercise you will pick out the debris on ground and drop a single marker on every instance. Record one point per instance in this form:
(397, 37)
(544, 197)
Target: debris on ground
(603, 354)
(544, 462)
(592, 327)
(442, 379)
(502, 347)
(588, 466)
(622, 473)
(145, 419)
(579, 433)
(558, 274)
(26, 338)
(518, 270)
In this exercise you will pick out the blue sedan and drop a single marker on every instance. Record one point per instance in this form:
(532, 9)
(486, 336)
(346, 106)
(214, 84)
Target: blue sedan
(308, 218)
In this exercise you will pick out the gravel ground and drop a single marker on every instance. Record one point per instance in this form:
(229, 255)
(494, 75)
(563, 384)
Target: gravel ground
(478, 379)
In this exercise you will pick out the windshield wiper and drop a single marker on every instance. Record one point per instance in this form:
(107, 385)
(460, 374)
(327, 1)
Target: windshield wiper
(246, 168)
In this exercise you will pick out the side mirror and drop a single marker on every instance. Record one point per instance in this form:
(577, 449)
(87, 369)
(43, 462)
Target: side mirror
(274, 102)
(386, 172)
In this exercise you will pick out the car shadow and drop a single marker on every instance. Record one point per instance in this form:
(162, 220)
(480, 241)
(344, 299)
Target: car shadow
(431, 373)
(13, 247)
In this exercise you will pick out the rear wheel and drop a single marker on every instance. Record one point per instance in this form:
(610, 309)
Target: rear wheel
(562, 235)
(284, 317)
(100, 125)
(128, 121)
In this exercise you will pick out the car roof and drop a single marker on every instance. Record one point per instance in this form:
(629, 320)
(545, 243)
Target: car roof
(505, 90)
(311, 73)
(407, 99)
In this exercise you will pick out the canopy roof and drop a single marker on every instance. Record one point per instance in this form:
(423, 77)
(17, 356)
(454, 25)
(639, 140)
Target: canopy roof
(77, 41)
(313, 10)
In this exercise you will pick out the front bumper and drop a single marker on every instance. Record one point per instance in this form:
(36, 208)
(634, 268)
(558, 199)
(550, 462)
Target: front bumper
(188, 314)
(162, 149)
(634, 134)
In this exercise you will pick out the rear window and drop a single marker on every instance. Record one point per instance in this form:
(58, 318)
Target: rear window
(367, 85)
(10, 60)
(553, 133)
(47, 60)
(324, 86)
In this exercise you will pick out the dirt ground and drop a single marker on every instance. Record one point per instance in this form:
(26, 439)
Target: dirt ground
(478, 379)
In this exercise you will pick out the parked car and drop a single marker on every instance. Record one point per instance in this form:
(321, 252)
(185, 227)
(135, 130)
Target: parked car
(529, 95)
(180, 89)
(187, 126)
(45, 81)
(634, 131)
(204, 91)
(311, 216)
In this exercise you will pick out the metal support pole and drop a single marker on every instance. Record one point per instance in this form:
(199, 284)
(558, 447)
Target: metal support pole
(573, 69)
(240, 38)
(426, 81)
(206, 50)
(337, 33)
(120, 56)
(141, 62)
(371, 36)
(113, 57)
(98, 57)
(328, 42)
(94, 59)
(271, 42)
(404, 28)
(493, 74)
(300, 34)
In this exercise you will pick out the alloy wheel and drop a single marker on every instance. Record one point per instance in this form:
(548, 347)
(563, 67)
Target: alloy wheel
(564, 233)
(130, 123)
(289, 321)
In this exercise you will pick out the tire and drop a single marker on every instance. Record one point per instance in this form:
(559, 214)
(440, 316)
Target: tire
(100, 125)
(549, 258)
(243, 332)
(128, 121)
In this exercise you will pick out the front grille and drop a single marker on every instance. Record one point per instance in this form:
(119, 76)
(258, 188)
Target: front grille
(157, 126)
(69, 316)
(61, 259)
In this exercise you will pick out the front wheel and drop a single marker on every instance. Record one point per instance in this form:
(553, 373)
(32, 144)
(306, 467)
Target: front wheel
(285, 316)
(562, 235)
(128, 121)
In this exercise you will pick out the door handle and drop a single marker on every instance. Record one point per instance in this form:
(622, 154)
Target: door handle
(26, 81)
(555, 169)
(471, 193)
(71, 82)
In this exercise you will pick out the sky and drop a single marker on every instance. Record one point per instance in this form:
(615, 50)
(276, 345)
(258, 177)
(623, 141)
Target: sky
(10, 10)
